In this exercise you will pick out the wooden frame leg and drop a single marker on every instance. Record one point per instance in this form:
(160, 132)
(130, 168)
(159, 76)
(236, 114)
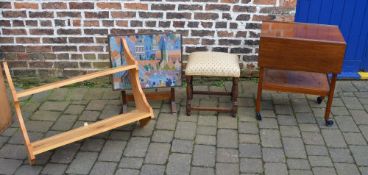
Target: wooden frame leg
(189, 80)
(172, 100)
(328, 121)
(124, 102)
(259, 94)
(27, 141)
(234, 96)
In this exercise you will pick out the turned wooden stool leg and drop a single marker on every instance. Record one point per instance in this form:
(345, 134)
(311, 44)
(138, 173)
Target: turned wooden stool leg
(234, 96)
(259, 95)
(328, 121)
(189, 80)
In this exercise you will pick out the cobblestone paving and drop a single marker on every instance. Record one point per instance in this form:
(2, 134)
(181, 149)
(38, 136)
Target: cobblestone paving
(291, 139)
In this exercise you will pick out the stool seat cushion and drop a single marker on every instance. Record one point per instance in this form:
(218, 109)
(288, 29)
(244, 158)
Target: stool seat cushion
(217, 64)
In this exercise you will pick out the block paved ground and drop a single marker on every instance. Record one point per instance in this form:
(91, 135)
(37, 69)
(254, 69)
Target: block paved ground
(291, 139)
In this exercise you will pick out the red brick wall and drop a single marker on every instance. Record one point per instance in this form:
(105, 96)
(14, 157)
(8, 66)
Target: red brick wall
(48, 38)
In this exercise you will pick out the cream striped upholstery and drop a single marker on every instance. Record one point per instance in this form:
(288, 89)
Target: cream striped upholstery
(217, 64)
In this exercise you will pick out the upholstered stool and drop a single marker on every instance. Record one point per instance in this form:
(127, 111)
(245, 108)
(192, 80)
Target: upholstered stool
(212, 64)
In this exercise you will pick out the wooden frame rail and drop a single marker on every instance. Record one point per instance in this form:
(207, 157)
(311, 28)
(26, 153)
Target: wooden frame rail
(143, 112)
(157, 95)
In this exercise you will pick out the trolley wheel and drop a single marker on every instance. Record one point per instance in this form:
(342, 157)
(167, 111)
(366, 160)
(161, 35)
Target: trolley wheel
(319, 100)
(329, 122)
(258, 116)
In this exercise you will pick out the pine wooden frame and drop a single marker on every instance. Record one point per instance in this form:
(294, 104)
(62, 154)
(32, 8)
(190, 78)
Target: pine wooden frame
(143, 112)
(5, 112)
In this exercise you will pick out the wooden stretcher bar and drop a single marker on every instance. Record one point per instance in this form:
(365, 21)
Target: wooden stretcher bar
(143, 112)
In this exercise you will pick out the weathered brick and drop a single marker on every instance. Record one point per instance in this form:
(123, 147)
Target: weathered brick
(202, 33)
(31, 23)
(208, 41)
(265, 2)
(221, 25)
(42, 56)
(25, 5)
(77, 23)
(253, 26)
(18, 23)
(103, 56)
(68, 31)
(64, 48)
(108, 5)
(17, 64)
(229, 42)
(243, 17)
(150, 23)
(80, 39)
(96, 31)
(288, 3)
(81, 5)
(249, 9)
(60, 23)
(136, 23)
(229, 1)
(193, 24)
(104, 14)
(108, 23)
(90, 48)
(5, 23)
(164, 23)
(38, 49)
(63, 56)
(192, 41)
(69, 14)
(46, 23)
(14, 14)
(54, 40)
(91, 23)
(206, 16)
(41, 31)
(136, 6)
(27, 40)
(120, 31)
(54, 5)
(123, 14)
(179, 24)
(221, 7)
(226, 16)
(150, 15)
(275, 10)
(62, 65)
(171, 15)
(262, 17)
(7, 40)
(190, 7)
(220, 49)
(205, 1)
(195, 49)
(15, 48)
(162, 7)
(5, 5)
(41, 14)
